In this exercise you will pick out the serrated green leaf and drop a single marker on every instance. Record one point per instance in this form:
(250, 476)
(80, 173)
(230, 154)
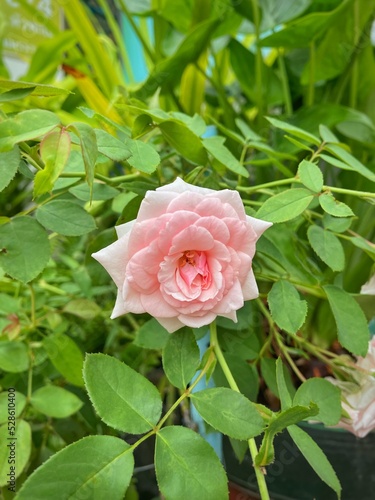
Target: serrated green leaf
(295, 131)
(21, 447)
(82, 308)
(352, 327)
(325, 395)
(55, 401)
(124, 399)
(36, 89)
(215, 146)
(9, 163)
(143, 156)
(89, 148)
(54, 151)
(280, 422)
(287, 309)
(24, 248)
(228, 412)
(311, 176)
(19, 401)
(65, 217)
(285, 206)
(26, 125)
(100, 192)
(327, 135)
(197, 471)
(14, 357)
(151, 335)
(336, 224)
(316, 458)
(181, 358)
(349, 160)
(180, 137)
(110, 146)
(93, 466)
(334, 207)
(66, 357)
(327, 246)
(284, 394)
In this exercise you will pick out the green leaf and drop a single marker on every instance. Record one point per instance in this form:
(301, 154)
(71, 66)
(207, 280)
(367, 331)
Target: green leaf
(337, 224)
(349, 161)
(143, 156)
(352, 327)
(268, 370)
(151, 335)
(100, 192)
(286, 205)
(244, 373)
(302, 31)
(19, 401)
(325, 395)
(9, 163)
(54, 151)
(26, 125)
(295, 131)
(20, 444)
(280, 422)
(35, 89)
(24, 248)
(196, 469)
(284, 394)
(215, 146)
(65, 217)
(65, 356)
(287, 309)
(124, 399)
(15, 94)
(83, 308)
(316, 458)
(89, 148)
(180, 137)
(311, 176)
(228, 412)
(14, 357)
(181, 358)
(327, 246)
(169, 71)
(244, 64)
(93, 467)
(327, 135)
(55, 401)
(110, 146)
(333, 207)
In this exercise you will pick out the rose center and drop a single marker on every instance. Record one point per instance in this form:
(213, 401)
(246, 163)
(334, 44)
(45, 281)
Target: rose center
(193, 269)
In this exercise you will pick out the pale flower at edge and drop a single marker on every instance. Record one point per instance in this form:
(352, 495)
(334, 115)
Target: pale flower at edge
(187, 258)
(359, 399)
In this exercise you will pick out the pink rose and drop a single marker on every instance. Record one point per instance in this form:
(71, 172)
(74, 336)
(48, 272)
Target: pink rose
(359, 404)
(359, 397)
(187, 258)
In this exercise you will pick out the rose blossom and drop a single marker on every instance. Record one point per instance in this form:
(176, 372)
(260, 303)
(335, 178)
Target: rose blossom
(359, 398)
(187, 258)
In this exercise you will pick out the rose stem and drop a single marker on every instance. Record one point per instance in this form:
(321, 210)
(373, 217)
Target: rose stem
(233, 385)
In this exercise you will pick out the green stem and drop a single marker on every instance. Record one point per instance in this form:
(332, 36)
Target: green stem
(32, 307)
(233, 385)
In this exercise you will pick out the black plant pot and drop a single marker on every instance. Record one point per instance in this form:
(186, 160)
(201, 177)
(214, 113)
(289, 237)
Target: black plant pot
(290, 477)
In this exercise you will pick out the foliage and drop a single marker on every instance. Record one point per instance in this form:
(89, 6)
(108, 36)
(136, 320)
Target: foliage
(288, 91)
